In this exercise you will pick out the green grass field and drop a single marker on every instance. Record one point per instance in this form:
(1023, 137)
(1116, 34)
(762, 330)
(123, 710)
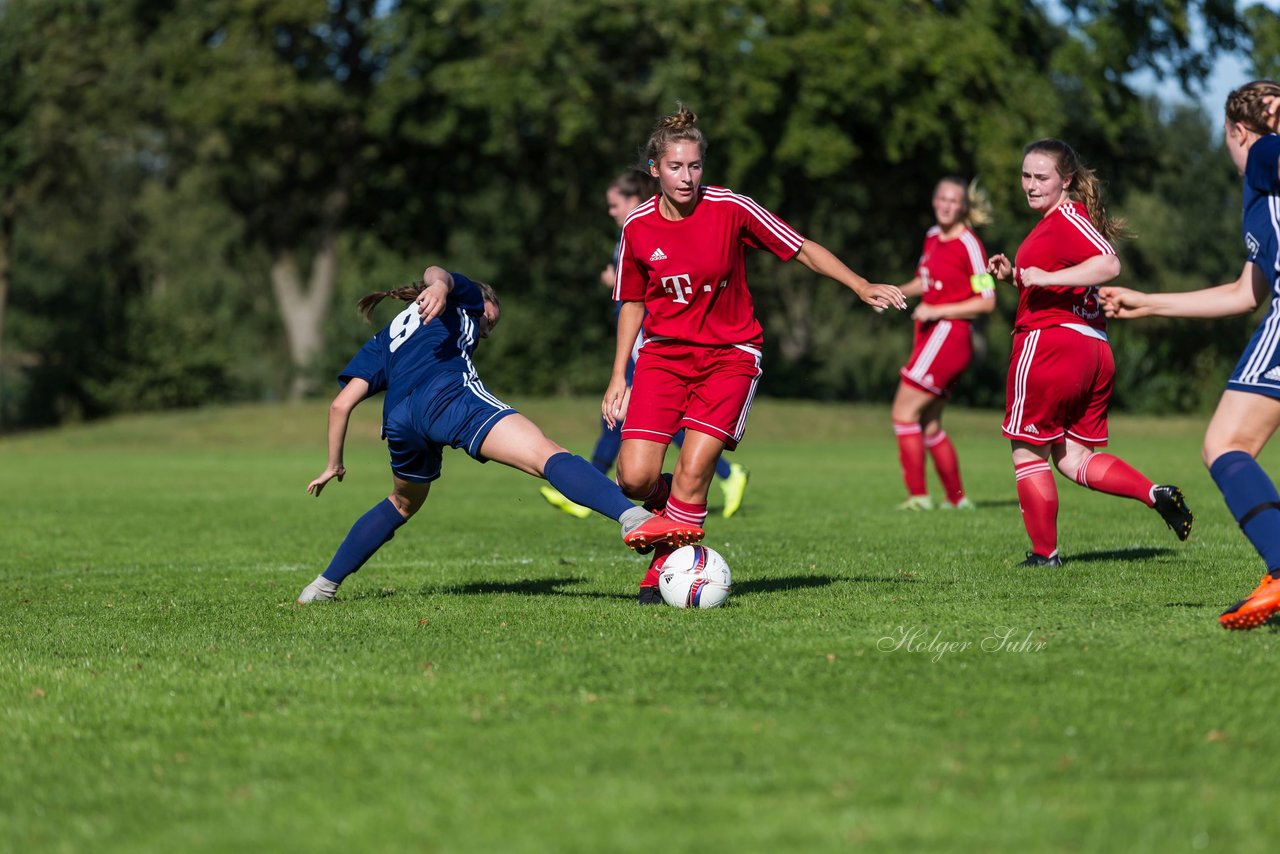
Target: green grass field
(487, 683)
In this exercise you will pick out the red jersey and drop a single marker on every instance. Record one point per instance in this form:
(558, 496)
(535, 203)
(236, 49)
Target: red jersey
(947, 267)
(1064, 238)
(691, 273)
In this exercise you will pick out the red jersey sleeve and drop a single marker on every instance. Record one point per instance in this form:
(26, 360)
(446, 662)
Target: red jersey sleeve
(629, 279)
(761, 229)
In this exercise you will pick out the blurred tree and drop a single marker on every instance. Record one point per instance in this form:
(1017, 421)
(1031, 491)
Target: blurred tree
(182, 178)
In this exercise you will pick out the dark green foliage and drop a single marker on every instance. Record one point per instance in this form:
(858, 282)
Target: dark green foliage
(161, 159)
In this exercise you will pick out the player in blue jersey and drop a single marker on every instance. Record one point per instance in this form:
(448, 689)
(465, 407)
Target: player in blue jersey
(623, 196)
(1249, 412)
(422, 360)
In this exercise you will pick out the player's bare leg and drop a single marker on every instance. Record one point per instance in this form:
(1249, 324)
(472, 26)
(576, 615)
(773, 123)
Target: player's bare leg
(1241, 426)
(370, 532)
(518, 442)
(1107, 473)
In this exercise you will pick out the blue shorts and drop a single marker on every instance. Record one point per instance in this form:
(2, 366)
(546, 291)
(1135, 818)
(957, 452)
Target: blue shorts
(1258, 370)
(456, 410)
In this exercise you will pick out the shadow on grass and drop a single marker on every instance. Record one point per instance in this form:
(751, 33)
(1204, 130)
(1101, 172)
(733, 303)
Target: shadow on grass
(521, 587)
(1139, 553)
(800, 582)
(988, 504)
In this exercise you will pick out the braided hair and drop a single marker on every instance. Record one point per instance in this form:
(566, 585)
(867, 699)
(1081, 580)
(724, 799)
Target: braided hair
(1248, 105)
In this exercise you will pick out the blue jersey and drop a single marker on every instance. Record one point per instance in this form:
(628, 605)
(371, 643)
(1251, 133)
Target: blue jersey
(1258, 370)
(406, 355)
(1262, 206)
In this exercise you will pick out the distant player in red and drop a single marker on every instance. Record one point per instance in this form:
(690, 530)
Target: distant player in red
(682, 260)
(954, 287)
(1061, 372)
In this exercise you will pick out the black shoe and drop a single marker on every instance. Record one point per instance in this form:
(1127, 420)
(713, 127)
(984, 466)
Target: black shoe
(1172, 508)
(1034, 559)
(650, 596)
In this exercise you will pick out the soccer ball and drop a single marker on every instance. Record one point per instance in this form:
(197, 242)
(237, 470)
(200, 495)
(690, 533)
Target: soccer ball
(694, 577)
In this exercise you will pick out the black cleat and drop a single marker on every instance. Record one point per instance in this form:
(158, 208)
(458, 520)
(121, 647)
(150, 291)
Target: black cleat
(1173, 509)
(650, 596)
(1034, 559)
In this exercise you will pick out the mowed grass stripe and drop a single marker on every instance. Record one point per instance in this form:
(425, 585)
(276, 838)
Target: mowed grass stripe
(487, 682)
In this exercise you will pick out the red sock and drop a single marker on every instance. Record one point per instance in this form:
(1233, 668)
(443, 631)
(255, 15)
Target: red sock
(1038, 500)
(692, 514)
(948, 466)
(911, 456)
(658, 494)
(660, 554)
(1112, 475)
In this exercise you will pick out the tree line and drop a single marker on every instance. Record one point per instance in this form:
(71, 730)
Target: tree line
(193, 193)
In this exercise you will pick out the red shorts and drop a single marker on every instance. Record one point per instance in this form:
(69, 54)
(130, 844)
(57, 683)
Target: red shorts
(943, 349)
(708, 389)
(1059, 385)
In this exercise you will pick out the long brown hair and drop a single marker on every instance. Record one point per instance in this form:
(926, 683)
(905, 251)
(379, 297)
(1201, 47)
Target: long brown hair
(1086, 188)
(410, 292)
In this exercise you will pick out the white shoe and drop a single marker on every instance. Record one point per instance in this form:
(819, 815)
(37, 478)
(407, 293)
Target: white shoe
(315, 592)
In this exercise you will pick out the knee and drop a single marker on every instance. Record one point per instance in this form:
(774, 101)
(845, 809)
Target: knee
(635, 485)
(408, 504)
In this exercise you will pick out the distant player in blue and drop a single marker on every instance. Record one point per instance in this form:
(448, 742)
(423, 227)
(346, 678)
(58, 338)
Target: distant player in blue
(1249, 412)
(623, 196)
(434, 398)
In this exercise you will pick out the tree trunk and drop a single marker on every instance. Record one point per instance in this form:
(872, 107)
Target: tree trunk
(305, 311)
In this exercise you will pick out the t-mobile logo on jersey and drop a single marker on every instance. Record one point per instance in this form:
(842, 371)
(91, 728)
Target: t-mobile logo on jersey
(679, 287)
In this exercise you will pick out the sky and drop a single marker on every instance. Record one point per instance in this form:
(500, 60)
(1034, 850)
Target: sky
(1230, 70)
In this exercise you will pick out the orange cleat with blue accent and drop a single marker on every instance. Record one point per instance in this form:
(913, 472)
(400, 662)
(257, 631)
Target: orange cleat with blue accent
(659, 529)
(1256, 609)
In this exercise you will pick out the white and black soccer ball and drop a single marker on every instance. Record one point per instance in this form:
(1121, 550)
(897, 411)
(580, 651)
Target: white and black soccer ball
(695, 577)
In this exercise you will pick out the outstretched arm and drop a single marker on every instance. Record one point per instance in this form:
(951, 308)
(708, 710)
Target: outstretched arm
(1239, 297)
(820, 260)
(339, 416)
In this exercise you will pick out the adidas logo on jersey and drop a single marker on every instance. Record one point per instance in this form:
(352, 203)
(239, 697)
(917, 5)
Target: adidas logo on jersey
(658, 255)
(1273, 374)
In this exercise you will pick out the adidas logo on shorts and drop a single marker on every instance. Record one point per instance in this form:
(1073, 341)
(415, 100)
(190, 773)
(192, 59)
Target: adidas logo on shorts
(658, 255)
(1031, 430)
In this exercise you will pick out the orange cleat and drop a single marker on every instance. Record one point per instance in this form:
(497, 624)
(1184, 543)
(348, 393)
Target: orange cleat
(659, 529)
(1256, 609)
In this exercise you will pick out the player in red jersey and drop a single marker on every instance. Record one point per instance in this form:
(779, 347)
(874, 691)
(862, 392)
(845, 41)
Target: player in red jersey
(1061, 372)
(954, 286)
(682, 272)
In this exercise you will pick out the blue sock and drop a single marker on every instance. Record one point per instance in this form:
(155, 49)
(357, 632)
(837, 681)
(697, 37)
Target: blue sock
(1253, 501)
(582, 483)
(367, 535)
(607, 447)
